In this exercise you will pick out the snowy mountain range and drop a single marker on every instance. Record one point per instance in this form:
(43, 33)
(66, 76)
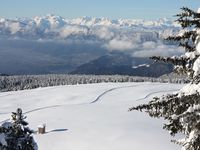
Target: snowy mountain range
(57, 27)
(53, 44)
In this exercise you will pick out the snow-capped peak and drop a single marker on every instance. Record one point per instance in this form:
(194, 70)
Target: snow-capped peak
(58, 21)
(198, 10)
(56, 27)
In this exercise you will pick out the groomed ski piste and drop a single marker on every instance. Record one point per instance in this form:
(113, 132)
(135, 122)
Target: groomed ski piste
(92, 116)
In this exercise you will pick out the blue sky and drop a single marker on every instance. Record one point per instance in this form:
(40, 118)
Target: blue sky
(133, 9)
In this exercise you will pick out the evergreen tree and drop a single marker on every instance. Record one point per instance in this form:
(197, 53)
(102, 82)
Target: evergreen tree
(182, 110)
(15, 135)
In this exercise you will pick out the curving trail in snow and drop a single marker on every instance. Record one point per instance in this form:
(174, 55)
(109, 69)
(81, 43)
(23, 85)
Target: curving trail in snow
(54, 106)
(94, 101)
(110, 90)
(152, 93)
(123, 87)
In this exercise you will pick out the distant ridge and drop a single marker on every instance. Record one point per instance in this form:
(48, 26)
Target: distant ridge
(122, 64)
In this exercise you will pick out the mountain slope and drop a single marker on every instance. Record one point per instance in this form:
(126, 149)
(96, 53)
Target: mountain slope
(122, 64)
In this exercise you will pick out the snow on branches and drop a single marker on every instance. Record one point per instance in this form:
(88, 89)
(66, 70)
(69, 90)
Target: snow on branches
(15, 135)
(182, 110)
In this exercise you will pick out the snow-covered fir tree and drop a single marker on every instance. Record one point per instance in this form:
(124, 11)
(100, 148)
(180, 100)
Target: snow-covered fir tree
(15, 135)
(182, 110)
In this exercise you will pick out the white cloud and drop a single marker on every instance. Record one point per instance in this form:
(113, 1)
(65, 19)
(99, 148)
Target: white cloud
(73, 30)
(104, 33)
(119, 44)
(139, 48)
(157, 49)
(149, 45)
(14, 27)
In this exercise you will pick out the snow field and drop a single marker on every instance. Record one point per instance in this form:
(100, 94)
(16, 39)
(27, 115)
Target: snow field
(93, 116)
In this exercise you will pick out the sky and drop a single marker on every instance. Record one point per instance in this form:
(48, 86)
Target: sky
(113, 9)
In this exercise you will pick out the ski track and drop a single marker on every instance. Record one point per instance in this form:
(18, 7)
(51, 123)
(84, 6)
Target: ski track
(94, 101)
(110, 90)
(54, 106)
(150, 94)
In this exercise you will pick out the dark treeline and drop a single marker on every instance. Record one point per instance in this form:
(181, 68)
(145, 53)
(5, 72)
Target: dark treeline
(14, 83)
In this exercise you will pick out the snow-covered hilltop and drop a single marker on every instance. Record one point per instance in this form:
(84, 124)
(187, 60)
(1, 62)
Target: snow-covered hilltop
(57, 27)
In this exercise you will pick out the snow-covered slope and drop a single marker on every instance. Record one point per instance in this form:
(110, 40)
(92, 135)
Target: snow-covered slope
(93, 116)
